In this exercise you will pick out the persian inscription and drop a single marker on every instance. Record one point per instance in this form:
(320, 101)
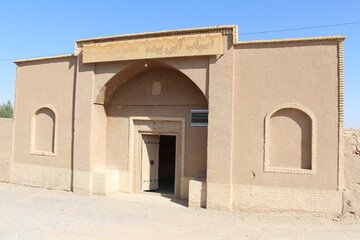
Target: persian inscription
(161, 47)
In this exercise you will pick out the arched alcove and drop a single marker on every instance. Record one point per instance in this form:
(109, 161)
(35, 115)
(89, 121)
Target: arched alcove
(162, 94)
(290, 140)
(43, 131)
(157, 86)
(104, 95)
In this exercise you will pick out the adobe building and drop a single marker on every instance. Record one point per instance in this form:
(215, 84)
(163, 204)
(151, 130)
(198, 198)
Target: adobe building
(195, 113)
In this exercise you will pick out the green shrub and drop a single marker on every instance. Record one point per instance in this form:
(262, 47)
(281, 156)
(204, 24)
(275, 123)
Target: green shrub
(6, 110)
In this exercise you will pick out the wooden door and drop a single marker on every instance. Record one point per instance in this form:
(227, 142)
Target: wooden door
(150, 162)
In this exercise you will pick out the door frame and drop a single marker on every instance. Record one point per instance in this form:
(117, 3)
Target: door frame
(170, 126)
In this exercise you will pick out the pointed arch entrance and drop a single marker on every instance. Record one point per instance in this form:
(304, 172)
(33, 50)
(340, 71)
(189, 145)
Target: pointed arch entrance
(150, 98)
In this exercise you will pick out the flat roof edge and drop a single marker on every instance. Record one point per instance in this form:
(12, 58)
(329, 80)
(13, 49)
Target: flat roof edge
(325, 38)
(43, 58)
(157, 33)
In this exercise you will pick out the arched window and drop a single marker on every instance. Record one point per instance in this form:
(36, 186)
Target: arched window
(43, 131)
(290, 140)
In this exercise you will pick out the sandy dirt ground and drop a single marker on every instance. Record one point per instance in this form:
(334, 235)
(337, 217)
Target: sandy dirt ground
(33, 213)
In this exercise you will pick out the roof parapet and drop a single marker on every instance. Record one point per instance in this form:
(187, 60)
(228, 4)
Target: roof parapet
(288, 40)
(43, 58)
(225, 30)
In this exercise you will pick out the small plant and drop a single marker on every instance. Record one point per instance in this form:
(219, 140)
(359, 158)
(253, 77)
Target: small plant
(6, 110)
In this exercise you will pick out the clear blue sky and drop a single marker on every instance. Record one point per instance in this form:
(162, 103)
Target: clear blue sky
(41, 28)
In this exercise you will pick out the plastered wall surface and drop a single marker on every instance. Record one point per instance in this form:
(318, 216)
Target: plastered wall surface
(220, 128)
(268, 75)
(6, 131)
(47, 83)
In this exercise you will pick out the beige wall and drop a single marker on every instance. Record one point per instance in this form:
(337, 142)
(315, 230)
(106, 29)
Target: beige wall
(85, 136)
(6, 131)
(47, 83)
(220, 128)
(271, 74)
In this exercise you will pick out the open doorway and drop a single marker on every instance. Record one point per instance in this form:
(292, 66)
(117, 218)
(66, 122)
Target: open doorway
(158, 163)
(167, 153)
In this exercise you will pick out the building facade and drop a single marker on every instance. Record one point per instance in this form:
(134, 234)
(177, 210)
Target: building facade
(196, 113)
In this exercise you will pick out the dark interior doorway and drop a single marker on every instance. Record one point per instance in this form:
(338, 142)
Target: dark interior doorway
(167, 153)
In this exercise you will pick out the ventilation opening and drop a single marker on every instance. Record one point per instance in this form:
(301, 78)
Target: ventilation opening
(199, 117)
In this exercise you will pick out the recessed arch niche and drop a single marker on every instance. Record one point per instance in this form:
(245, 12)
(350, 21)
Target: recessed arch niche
(43, 131)
(156, 92)
(106, 92)
(290, 140)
